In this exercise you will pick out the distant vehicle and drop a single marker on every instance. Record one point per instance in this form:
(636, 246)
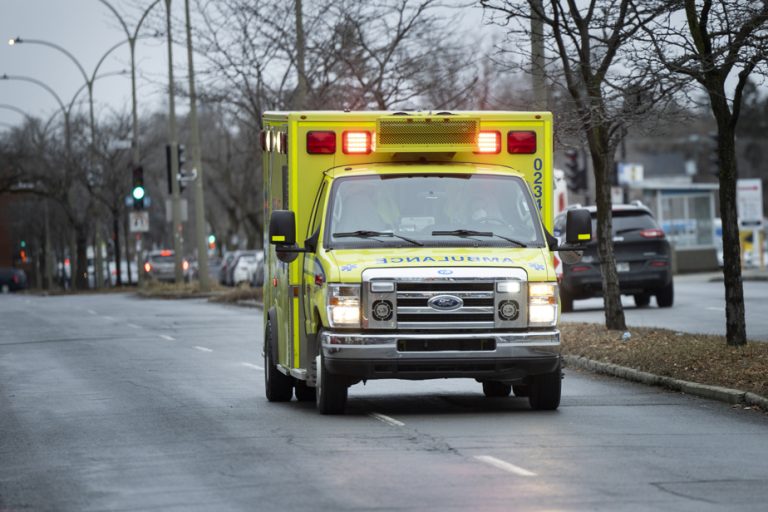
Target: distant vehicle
(226, 264)
(12, 279)
(159, 265)
(245, 265)
(642, 253)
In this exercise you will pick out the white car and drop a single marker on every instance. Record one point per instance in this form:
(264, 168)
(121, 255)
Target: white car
(246, 264)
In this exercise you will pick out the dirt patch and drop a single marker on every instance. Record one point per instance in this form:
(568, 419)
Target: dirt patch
(700, 358)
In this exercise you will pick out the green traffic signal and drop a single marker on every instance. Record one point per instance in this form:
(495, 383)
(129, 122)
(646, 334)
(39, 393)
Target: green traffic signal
(211, 239)
(138, 193)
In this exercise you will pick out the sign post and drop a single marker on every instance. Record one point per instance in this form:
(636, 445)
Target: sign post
(749, 204)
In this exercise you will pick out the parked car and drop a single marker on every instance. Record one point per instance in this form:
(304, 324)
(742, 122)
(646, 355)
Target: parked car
(12, 279)
(245, 266)
(643, 260)
(160, 265)
(226, 265)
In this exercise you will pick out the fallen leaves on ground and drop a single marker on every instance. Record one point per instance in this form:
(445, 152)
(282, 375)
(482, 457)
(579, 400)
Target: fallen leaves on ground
(701, 358)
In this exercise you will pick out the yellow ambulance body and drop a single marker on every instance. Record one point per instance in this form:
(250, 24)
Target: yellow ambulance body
(410, 245)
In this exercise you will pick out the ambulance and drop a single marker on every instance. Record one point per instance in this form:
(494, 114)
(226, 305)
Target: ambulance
(411, 245)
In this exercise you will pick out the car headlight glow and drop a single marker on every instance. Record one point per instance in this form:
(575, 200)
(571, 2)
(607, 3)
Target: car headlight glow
(542, 303)
(344, 305)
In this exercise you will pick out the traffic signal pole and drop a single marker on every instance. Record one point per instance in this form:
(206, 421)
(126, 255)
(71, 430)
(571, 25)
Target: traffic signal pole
(173, 142)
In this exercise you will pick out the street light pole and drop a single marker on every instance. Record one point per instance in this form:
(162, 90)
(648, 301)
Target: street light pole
(197, 161)
(173, 143)
(136, 153)
(89, 81)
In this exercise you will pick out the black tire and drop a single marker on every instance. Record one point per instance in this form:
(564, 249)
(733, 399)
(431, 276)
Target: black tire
(544, 392)
(666, 296)
(278, 387)
(642, 300)
(303, 392)
(566, 302)
(331, 390)
(521, 390)
(492, 388)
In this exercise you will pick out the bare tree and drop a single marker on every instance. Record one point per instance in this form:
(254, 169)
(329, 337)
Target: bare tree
(717, 45)
(591, 42)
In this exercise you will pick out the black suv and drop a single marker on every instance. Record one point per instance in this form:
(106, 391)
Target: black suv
(643, 260)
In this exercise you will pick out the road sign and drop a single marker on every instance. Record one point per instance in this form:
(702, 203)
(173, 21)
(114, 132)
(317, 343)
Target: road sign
(139, 221)
(630, 173)
(749, 202)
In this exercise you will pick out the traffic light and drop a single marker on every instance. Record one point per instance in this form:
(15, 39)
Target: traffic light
(137, 191)
(211, 241)
(180, 149)
(714, 156)
(575, 175)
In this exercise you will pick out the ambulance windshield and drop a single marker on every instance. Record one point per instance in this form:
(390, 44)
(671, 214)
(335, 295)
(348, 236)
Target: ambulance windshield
(446, 210)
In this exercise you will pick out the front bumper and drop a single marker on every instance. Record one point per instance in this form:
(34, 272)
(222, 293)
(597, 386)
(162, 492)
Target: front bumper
(511, 357)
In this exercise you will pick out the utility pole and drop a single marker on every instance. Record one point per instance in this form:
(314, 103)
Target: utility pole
(173, 142)
(537, 56)
(300, 97)
(197, 162)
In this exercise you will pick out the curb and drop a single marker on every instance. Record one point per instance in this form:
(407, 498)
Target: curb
(721, 394)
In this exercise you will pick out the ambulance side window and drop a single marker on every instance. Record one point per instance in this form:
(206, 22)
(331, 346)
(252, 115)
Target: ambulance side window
(317, 213)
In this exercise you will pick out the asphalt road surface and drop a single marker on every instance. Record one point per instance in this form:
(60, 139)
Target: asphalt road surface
(699, 307)
(110, 402)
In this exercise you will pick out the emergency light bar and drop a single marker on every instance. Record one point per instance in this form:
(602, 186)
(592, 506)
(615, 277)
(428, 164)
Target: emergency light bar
(521, 143)
(488, 143)
(426, 134)
(356, 143)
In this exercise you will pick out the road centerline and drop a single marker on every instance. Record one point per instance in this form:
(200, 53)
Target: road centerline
(166, 337)
(254, 366)
(504, 465)
(203, 349)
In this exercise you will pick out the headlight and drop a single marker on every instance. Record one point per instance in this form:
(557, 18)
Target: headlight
(542, 303)
(344, 305)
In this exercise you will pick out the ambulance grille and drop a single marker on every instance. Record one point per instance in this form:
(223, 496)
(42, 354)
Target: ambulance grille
(426, 134)
(476, 312)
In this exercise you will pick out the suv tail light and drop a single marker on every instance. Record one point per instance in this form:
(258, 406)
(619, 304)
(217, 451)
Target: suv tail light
(652, 233)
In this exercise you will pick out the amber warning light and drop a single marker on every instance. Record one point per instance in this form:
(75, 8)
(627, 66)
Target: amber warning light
(356, 143)
(488, 143)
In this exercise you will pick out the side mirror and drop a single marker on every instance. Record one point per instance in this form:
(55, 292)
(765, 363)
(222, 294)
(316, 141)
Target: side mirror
(578, 227)
(282, 234)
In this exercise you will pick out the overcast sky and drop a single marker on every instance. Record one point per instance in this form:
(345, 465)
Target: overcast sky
(87, 29)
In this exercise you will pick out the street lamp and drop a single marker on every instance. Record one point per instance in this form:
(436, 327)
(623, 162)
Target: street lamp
(136, 154)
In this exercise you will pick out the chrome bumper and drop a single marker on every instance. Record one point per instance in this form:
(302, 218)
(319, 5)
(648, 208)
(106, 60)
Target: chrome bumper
(515, 356)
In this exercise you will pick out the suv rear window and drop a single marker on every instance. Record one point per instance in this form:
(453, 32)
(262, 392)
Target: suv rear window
(627, 221)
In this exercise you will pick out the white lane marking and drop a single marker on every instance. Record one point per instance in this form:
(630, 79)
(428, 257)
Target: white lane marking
(254, 366)
(133, 326)
(506, 466)
(166, 337)
(91, 311)
(386, 419)
(108, 318)
(204, 349)
(715, 309)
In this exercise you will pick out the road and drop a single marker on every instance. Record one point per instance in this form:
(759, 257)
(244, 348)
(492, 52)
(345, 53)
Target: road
(110, 402)
(699, 307)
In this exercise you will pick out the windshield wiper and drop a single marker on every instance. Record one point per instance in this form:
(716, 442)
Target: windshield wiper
(469, 233)
(371, 234)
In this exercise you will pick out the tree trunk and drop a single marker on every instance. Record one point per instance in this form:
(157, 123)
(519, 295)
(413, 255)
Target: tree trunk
(603, 165)
(80, 276)
(116, 242)
(735, 326)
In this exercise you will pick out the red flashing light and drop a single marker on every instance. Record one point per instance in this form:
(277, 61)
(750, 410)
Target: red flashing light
(166, 252)
(652, 233)
(580, 268)
(321, 143)
(488, 143)
(356, 143)
(521, 143)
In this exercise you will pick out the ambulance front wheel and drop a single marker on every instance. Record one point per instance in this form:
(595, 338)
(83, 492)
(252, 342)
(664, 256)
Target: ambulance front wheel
(331, 390)
(279, 387)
